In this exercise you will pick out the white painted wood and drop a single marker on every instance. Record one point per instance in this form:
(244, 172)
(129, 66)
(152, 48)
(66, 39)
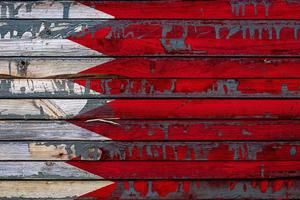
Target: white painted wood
(44, 87)
(47, 108)
(44, 68)
(50, 9)
(44, 47)
(49, 189)
(45, 130)
(42, 170)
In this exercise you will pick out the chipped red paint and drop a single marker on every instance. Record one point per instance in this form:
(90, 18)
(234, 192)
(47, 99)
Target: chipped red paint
(225, 38)
(195, 109)
(141, 38)
(237, 9)
(186, 151)
(114, 170)
(202, 189)
(198, 68)
(173, 88)
(220, 130)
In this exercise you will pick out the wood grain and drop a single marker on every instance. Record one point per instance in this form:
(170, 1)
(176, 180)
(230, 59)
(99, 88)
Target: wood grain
(109, 110)
(157, 67)
(47, 9)
(117, 170)
(149, 88)
(271, 9)
(133, 38)
(151, 130)
(158, 189)
(149, 151)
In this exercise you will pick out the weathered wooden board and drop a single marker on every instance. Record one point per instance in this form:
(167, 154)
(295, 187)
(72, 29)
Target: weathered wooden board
(49, 9)
(151, 130)
(45, 130)
(158, 189)
(148, 151)
(175, 67)
(149, 38)
(239, 9)
(149, 88)
(45, 190)
(108, 110)
(116, 170)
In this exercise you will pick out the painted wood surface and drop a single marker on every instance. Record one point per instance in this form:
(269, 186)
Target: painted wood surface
(149, 151)
(133, 38)
(143, 170)
(158, 189)
(149, 99)
(158, 67)
(150, 130)
(110, 110)
(238, 9)
(149, 88)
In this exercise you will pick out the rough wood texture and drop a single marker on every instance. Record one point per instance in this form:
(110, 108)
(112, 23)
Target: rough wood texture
(151, 130)
(239, 9)
(158, 67)
(133, 38)
(45, 190)
(148, 151)
(114, 170)
(109, 110)
(149, 99)
(48, 9)
(158, 189)
(149, 88)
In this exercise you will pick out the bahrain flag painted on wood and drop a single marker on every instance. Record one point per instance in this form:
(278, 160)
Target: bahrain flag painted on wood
(150, 99)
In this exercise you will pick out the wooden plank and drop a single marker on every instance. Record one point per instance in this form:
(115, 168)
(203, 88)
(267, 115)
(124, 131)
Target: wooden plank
(149, 88)
(195, 67)
(45, 130)
(149, 151)
(158, 189)
(109, 110)
(225, 38)
(48, 9)
(44, 47)
(117, 170)
(43, 170)
(151, 130)
(66, 190)
(149, 38)
(270, 9)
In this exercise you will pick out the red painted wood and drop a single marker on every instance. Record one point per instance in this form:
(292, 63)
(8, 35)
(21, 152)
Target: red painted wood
(190, 130)
(238, 9)
(200, 189)
(190, 170)
(199, 68)
(140, 38)
(195, 109)
(190, 151)
(194, 87)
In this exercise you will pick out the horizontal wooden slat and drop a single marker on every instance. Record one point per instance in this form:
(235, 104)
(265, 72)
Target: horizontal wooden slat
(114, 170)
(149, 38)
(195, 67)
(278, 9)
(45, 130)
(140, 38)
(108, 110)
(46, 190)
(149, 88)
(150, 130)
(147, 151)
(158, 189)
(48, 9)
